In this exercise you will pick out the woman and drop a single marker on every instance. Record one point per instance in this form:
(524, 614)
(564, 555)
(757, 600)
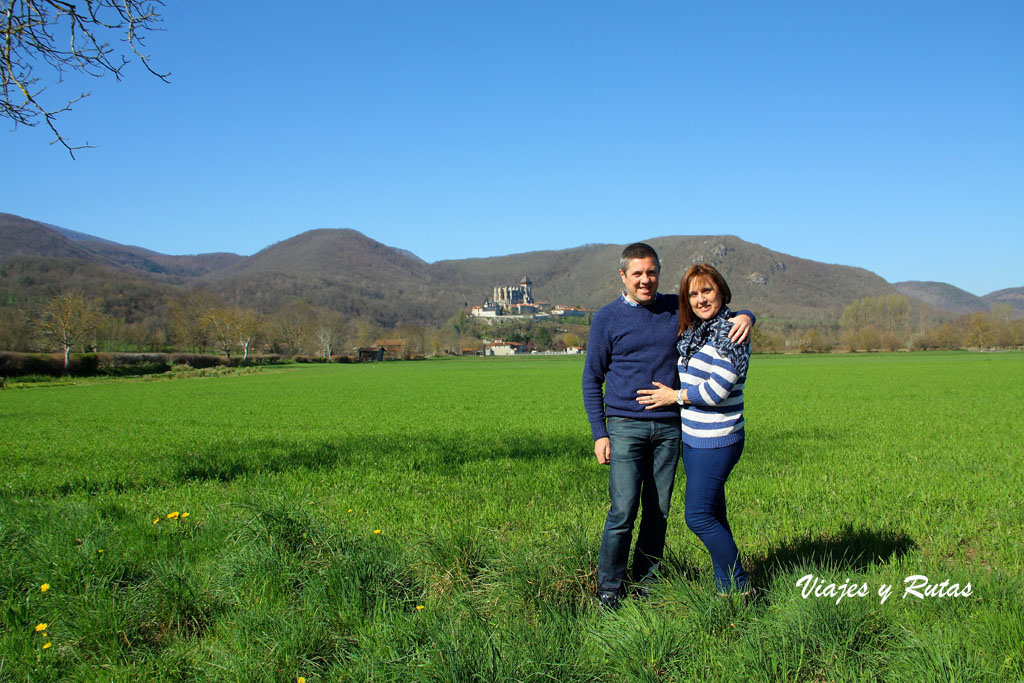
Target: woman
(712, 372)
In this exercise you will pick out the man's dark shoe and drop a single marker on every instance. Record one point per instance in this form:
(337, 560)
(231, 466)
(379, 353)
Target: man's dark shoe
(609, 601)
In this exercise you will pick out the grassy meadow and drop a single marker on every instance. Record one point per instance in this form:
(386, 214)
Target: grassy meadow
(440, 521)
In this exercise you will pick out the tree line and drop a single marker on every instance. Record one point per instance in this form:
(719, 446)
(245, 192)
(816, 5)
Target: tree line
(200, 322)
(893, 322)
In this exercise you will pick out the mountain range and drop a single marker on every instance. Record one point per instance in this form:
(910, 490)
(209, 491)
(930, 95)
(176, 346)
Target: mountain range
(346, 271)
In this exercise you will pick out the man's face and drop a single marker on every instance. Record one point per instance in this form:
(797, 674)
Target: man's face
(641, 280)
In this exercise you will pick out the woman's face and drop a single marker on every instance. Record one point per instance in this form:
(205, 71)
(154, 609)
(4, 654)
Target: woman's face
(705, 299)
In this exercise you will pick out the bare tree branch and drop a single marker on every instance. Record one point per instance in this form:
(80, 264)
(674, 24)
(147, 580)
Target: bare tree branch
(67, 37)
(67, 320)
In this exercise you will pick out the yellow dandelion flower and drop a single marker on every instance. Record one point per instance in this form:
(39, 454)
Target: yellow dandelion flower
(156, 521)
(184, 515)
(419, 607)
(46, 645)
(300, 679)
(45, 587)
(100, 551)
(350, 509)
(172, 515)
(41, 627)
(376, 531)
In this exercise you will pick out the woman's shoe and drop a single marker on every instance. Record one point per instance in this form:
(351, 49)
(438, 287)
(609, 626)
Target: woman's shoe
(748, 596)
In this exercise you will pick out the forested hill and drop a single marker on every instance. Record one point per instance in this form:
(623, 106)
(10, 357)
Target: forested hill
(20, 237)
(346, 271)
(1014, 296)
(774, 284)
(941, 295)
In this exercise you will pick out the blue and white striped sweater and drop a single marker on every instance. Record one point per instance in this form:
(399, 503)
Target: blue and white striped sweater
(713, 418)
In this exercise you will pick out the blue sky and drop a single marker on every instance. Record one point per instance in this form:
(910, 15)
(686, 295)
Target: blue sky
(885, 135)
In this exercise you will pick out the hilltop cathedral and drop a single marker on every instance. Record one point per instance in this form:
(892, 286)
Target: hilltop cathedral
(509, 300)
(510, 295)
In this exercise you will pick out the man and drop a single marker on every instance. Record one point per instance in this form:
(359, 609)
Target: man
(632, 343)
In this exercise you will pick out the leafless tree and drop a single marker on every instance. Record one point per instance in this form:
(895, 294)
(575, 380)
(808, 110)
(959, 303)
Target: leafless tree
(435, 343)
(980, 331)
(249, 326)
(223, 326)
(294, 325)
(414, 339)
(15, 329)
(187, 322)
(365, 332)
(328, 332)
(66, 36)
(67, 320)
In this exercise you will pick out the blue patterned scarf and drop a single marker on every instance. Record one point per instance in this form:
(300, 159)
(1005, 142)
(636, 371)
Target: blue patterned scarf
(716, 331)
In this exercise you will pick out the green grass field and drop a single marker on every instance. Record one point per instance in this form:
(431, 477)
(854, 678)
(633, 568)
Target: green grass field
(440, 520)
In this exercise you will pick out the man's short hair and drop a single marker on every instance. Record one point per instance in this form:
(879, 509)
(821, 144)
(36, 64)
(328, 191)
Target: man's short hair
(637, 250)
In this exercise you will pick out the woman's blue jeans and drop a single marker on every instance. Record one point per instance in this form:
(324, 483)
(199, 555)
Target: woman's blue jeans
(642, 471)
(706, 472)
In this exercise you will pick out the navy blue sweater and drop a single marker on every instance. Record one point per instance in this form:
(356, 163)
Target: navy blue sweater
(630, 346)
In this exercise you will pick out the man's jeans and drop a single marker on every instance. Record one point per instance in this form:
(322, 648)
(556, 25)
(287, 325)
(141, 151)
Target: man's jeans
(644, 455)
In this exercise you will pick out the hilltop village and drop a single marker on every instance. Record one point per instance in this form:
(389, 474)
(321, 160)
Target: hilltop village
(516, 302)
(510, 303)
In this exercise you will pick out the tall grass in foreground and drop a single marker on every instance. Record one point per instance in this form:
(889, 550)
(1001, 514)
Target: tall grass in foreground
(441, 521)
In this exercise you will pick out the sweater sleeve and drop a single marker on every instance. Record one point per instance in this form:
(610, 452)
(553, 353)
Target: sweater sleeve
(594, 370)
(723, 377)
